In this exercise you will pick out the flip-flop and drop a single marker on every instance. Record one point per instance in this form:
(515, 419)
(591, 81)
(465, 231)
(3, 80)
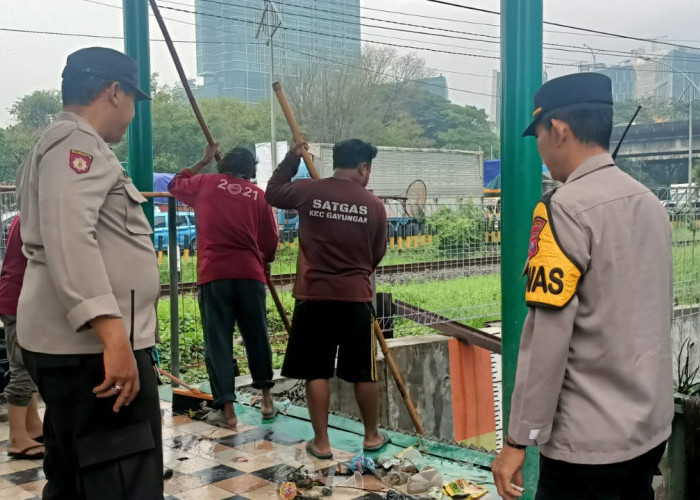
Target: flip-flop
(24, 455)
(39, 439)
(373, 449)
(321, 456)
(271, 415)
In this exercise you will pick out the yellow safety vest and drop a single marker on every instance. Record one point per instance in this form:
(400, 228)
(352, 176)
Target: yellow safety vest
(552, 277)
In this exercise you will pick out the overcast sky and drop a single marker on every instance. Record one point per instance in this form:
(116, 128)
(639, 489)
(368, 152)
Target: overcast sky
(30, 62)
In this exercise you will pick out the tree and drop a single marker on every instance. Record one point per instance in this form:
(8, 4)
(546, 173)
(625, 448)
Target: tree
(360, 99)
(451, 126)
(31, 114)
(38, 109)
(380, 98)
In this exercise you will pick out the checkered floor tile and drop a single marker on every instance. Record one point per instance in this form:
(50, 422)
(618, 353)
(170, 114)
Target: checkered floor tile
(205, 463)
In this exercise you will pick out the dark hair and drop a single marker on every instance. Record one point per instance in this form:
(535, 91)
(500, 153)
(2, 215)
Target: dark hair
(82, 90)
(239, 162)
(591, 123)
(351, 152)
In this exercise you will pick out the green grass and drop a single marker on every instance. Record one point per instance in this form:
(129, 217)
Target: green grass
(473, 300)
(287, 259)
(465, 296)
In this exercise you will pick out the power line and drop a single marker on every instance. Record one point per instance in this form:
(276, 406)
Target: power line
(579, 28)
(332, 35)
(388, 74)
(104, 37)
(110, 37)
(546, 45)
(438, 70)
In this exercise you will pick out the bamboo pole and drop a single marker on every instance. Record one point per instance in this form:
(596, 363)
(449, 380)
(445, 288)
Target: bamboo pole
(400, 384)
(205, 129)
(183, 78)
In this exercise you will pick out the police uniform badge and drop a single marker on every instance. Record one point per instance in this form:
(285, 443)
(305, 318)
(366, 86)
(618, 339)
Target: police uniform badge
(552, 277)
(79, 161)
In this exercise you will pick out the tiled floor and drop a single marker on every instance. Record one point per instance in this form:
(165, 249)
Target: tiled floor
(210, 463)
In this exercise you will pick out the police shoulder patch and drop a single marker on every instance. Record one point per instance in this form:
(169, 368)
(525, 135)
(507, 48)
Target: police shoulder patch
(552, 277)
(79, 161)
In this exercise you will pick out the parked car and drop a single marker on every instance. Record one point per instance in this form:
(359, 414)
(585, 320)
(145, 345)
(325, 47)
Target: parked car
(186, 232)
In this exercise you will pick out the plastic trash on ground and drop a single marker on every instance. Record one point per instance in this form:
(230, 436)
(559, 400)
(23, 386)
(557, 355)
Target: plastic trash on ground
(463, 489)
(427, 478)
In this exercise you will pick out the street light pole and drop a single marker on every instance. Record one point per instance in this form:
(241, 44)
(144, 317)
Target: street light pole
(592, 54)
(273, 128)
(691, 96)
(270, 22)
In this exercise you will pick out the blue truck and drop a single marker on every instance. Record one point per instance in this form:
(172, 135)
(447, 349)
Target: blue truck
(186, 231)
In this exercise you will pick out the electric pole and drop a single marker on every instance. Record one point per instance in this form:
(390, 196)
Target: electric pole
(270, 22)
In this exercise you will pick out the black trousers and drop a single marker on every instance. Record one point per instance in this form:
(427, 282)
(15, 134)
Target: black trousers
(223, 304)
(91, 451)
(630, 480)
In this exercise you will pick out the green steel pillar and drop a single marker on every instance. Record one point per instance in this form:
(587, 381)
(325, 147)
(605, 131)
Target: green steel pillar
(140, 137)
(521, 181)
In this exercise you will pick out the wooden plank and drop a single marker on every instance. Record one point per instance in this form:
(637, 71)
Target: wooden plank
(446, 326)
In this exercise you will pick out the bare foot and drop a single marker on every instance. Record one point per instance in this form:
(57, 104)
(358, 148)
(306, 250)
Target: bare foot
(267, 405)
(230, 414)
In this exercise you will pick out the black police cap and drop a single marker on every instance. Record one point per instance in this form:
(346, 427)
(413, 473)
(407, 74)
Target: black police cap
(105, 63)
(567, 90)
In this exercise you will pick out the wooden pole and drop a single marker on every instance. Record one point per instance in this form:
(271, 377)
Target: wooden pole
(298, 137)
(205, 129)
(278, 303)
(183, 78)
(294, 127)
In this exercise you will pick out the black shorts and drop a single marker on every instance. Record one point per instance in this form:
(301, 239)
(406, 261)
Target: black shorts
(320, 329)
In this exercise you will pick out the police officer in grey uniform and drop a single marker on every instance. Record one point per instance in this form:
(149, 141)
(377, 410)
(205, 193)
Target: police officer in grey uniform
(593, 387)
(91, 274)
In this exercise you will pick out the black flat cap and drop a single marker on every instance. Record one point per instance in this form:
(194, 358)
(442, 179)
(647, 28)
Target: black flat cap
(105, 63)
(567, 90)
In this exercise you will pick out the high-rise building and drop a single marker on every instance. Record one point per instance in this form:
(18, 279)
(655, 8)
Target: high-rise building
(233, 57)
(662, 74)
(672, 72)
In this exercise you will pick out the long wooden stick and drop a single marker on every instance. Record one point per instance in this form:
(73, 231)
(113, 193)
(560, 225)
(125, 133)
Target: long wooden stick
(278, 303)
(172, 377)
(294, 126)
(205, 129)
(183, 78)
(296, 133)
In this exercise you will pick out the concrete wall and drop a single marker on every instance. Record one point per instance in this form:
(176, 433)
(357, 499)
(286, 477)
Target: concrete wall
(686, 325)
(424, 363)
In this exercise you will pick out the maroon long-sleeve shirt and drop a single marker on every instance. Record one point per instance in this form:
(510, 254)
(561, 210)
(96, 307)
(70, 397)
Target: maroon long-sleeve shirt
(342, 233)
(236, 229)
(12, 274)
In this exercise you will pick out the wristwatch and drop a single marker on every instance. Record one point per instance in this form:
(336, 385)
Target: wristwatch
(509, 441)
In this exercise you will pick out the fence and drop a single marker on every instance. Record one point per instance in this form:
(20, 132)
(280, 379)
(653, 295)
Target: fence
(446, 262)
(8, 212)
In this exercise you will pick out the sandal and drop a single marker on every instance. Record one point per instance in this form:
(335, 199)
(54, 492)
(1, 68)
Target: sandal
(374, 449)
(321, 456)
(25, 455)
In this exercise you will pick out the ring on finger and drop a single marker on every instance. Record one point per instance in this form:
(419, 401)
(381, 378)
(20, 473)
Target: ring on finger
(117, 389)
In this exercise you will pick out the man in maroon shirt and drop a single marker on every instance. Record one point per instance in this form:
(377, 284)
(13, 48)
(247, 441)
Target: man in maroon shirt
(25, 423)
(342, 239)
(237, 239)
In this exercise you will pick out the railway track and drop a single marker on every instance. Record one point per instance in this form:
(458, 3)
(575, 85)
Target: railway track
(389, 270)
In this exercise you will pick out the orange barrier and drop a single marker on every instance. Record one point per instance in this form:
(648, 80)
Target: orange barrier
(473, 410)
